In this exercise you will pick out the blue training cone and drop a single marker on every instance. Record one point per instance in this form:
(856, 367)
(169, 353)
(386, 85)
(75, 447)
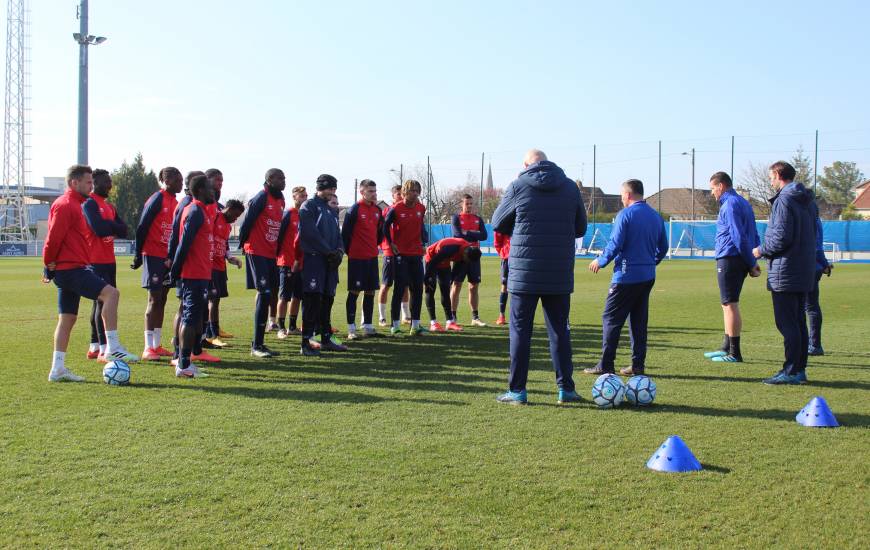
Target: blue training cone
(673, 456)
(817, 414)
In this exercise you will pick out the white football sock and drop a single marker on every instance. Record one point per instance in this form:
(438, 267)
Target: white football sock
(406, 310)
(94, 346)
(57, 362)
(112, 341)
(415, 323)
(382, 311)
(149, 339)
(157, 335)
(351, 327)
(103, 349)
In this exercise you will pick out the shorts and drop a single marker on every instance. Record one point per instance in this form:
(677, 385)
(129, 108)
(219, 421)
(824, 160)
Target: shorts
(261, 273)
(388, 271)
(154, 273)
(731, 271)
(107, 272)
(194, 297)
(409, 271)
(73, 284)
(289, 283)
(505, 270)
(362, 275)
(217, 288)
(466, 270)
(317, 277)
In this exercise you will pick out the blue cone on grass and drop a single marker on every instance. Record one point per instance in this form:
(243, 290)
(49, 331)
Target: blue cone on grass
(817, 414)
(673, 456)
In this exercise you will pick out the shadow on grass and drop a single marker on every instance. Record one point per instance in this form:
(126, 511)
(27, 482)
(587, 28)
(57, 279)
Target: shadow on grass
(715, 469)
(836, 384)
(302, 395)
(845, 419)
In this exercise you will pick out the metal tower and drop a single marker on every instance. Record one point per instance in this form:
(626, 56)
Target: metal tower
(13, 212)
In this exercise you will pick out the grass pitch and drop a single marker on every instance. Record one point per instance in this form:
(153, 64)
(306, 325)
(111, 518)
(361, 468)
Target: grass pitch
(401, 443)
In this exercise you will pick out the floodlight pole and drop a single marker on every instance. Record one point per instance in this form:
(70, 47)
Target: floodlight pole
(84, 40)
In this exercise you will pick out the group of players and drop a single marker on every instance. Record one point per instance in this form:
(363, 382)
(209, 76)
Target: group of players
(292, 258)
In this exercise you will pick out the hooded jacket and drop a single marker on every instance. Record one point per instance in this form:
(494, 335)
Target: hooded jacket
(542, 212)
(790, 241)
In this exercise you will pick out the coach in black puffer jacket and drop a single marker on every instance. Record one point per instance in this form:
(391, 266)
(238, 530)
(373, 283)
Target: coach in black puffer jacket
(790, 247)
(543, 213)
(790, 240)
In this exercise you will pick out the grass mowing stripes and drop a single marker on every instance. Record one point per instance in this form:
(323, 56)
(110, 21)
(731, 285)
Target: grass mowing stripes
(401, 443)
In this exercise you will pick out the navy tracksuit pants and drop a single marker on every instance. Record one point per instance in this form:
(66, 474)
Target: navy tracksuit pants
(814, 313)
(625, 301)
(789, 313)
(522, 317)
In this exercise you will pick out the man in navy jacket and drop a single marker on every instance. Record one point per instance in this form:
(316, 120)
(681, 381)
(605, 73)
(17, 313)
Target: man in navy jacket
(736, 236)
(637, 244)
(543, 213)
(813, 309)
(790, 248)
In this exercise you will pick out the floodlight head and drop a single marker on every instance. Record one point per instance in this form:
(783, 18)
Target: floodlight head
(77, 37)
(99, 40)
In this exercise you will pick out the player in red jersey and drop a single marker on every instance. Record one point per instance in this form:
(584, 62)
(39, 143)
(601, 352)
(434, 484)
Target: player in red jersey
(405, 230)
(66, 257)
(388, 271)
(502, 244)
(223, 224)
(290, 265)
(191, 268)
(437, 273)
(362, 231)
(469, 226)
(259, 238)
(152, 240)
(105, 225)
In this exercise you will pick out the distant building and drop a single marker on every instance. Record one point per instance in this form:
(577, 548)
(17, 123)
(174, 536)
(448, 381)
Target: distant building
(603, 203)
(862, 201)
(676, 202)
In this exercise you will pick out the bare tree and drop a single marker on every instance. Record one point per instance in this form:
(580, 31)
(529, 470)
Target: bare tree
(431, 196)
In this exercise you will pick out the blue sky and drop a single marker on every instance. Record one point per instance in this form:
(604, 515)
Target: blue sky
(357, 88)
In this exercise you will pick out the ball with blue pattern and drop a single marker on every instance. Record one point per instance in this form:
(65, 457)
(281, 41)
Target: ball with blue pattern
(640, 390)
(608, 391)
(116, 373)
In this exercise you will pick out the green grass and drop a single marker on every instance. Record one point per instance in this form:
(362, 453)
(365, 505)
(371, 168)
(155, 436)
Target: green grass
(401, 443)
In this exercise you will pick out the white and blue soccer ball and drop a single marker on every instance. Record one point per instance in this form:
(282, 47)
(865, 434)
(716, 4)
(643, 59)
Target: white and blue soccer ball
(608, 391)
(640, 390)
(116, 373)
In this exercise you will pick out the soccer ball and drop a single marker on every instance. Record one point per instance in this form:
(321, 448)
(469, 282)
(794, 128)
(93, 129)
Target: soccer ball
(608, 391)
(116, 373)
(640, 390)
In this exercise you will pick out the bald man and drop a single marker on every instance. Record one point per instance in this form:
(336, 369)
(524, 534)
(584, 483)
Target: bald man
(542, 211)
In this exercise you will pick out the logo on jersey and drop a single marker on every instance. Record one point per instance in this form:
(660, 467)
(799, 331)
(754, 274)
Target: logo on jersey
(263, 281)
(313, 283)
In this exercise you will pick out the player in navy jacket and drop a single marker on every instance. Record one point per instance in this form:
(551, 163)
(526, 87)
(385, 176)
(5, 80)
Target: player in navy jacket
(814, 310)
(637, 244)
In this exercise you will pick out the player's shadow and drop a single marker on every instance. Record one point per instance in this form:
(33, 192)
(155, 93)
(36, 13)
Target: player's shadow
(302, 395)
(836, 384)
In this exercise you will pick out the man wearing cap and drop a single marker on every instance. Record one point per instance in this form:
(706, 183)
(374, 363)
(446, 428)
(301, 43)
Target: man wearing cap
(321, 243)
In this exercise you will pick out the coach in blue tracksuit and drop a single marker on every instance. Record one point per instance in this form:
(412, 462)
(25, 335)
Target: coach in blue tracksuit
(543, 213)
(736, 236)
(790, 248)
(813, 309)
(637, 244)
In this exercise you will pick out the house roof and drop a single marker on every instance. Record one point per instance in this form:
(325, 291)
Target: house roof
(862, 201)
(677, 201)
